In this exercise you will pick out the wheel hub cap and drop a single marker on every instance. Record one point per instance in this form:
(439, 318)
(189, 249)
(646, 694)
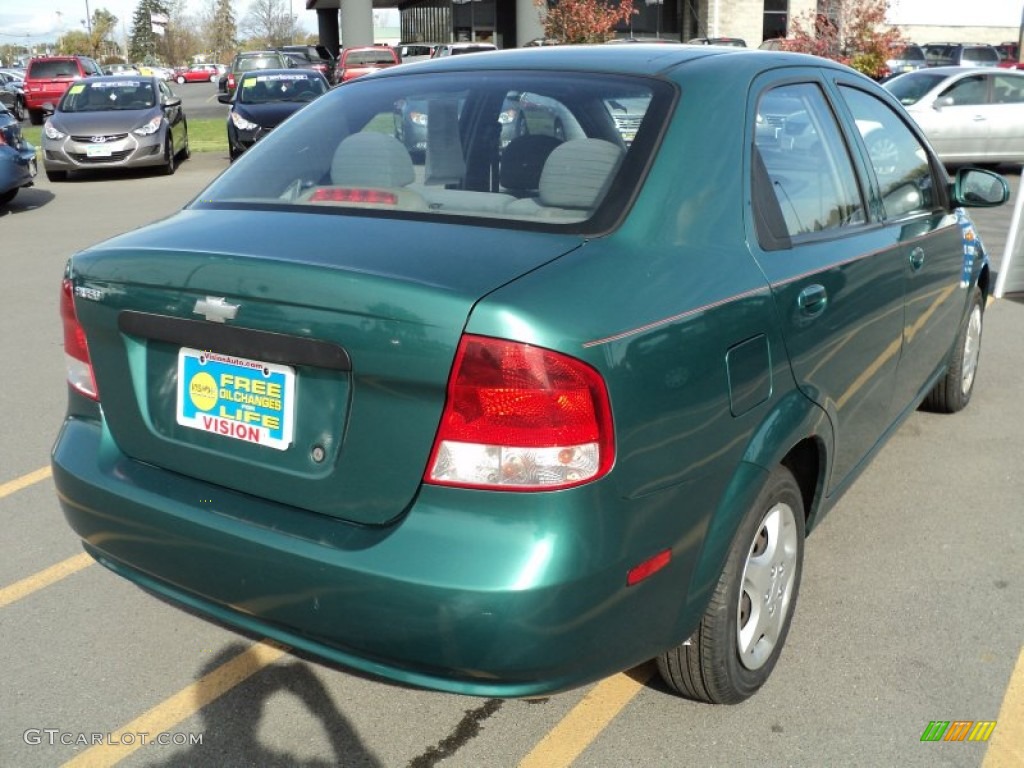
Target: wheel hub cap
(766, 588)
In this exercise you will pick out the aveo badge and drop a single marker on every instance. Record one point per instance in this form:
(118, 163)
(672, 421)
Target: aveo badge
(243, 399)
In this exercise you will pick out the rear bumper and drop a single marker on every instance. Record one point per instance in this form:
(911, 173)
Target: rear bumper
(468, 600)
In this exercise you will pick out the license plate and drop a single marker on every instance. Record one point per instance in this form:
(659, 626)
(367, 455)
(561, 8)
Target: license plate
(98, 150)
(235, 397)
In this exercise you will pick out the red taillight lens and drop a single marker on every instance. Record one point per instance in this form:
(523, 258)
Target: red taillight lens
(520, 417)
(352, 195)
(231, 81)
(76, 350)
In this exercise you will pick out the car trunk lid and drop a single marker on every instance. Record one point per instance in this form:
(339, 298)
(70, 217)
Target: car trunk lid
(225, 352)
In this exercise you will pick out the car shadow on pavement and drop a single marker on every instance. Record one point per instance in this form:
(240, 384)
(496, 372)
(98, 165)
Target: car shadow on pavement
(27, 199)
(113, 174)
(231, 724)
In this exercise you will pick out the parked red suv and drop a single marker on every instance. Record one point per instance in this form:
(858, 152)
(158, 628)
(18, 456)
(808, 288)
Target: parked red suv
(355, 62)
(47, 77)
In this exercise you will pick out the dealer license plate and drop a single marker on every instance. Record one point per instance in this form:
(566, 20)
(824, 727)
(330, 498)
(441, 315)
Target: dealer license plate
(235, 397)
(98, 150)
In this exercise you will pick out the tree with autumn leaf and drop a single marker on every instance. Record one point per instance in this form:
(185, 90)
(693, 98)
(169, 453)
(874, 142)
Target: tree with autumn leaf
(583, 21)
(853, 32)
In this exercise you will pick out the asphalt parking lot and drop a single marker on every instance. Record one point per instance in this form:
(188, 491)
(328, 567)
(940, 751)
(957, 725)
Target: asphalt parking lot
(908, 612)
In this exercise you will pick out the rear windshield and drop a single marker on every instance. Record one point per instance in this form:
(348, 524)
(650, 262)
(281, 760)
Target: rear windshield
(260, 62)
(109, 96)
(52, 69)
(364, 58)
(984, 55)
(911, 53)
(515, 148)
(471, 49)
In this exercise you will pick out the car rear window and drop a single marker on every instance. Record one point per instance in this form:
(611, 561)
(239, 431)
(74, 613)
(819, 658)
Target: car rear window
(364, 58)
(260, 62)
(983, 55)
(52, 69)
(911, 53)
(513, 148)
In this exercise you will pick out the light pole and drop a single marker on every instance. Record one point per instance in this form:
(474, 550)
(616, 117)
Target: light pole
(88, 18)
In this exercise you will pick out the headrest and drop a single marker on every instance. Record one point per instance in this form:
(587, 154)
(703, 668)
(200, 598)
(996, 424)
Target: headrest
(371, 160)
(578, 172)
(522, 161)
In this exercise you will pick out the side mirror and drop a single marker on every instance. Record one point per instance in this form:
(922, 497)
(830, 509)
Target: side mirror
(175, 102)
(48, 108)
(224, 98)
(978, 188)
(942, 101)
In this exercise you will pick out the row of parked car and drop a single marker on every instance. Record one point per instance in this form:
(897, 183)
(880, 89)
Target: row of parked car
(909, 57)
(969, 114)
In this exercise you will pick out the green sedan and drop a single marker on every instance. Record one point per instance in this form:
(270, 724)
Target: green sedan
(538, 406)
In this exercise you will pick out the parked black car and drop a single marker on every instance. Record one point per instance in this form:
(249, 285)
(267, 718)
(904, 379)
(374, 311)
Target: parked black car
(263, 99)
(316, 57)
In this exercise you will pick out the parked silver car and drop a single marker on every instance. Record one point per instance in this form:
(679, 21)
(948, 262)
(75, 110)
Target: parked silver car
(969, 115)
(115, 122)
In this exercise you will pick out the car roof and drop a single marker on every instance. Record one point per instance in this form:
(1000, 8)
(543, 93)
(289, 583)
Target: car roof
(634, 59)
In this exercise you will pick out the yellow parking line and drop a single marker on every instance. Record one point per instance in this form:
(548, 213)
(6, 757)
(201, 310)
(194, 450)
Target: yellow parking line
(45, 578)
(1006, 750)
(24, 481)
(180, 706)
(567, 740)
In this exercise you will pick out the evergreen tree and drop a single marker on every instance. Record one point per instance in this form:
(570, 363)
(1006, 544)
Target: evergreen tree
(142, 43)
(225, 31)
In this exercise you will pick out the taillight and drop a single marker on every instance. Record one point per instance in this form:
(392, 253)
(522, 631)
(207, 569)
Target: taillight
(521, 418)
(76, 350)
(349, 195)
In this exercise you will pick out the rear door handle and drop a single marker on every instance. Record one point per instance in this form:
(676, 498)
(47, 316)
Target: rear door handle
(812, 300)
(917, 258)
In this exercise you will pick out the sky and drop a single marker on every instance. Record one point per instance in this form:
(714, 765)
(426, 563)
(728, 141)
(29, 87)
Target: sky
(977, 13)
(37, 21)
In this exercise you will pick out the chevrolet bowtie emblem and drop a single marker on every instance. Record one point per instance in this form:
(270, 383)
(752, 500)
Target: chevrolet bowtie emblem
(215, 309)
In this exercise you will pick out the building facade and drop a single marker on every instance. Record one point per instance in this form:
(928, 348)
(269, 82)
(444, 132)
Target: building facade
(513, 23)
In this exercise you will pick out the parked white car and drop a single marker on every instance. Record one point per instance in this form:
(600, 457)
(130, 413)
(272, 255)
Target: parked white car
(970, 115)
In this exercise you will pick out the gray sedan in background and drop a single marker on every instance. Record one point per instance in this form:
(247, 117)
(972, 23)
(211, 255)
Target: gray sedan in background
(968, 115)
(115, 122)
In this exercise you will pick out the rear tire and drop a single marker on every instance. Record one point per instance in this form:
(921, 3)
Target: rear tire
(953, 391)
(740, 637)
(35, 116)
(181, 79)
(19, 111)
